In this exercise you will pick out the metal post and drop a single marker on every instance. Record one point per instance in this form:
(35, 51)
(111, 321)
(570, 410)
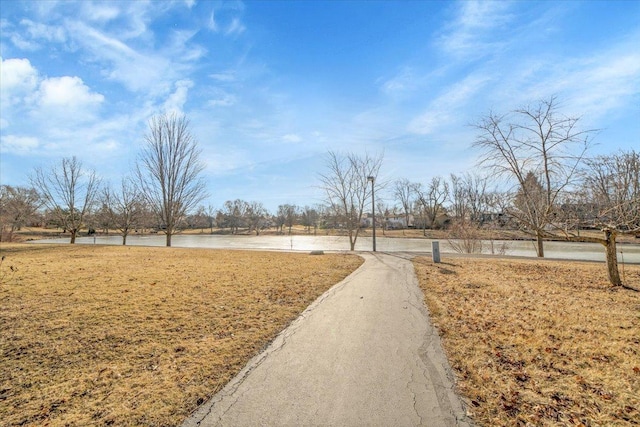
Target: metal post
(435, 251)
(373, 209)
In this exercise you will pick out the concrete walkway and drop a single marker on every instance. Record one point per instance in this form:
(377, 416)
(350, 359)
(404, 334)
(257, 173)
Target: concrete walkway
(364, 354)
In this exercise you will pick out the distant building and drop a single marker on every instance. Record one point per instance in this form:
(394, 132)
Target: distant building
(398, 222)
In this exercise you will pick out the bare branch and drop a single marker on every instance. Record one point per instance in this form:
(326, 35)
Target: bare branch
(168, 171)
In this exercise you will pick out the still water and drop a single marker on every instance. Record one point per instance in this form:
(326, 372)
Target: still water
(563, 250)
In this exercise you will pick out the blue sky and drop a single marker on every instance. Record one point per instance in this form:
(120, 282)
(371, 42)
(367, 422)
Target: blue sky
(270, 87)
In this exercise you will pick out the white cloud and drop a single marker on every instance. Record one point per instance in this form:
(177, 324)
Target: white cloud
(138, 72)
(591, 85)
(447, 108)
(180, 47)
(404, 81)
(40, 31)
(176, 101)
(211, 24)
(107, 146)
(236, 27)
(18, 144)
(602, 86)
(67, 92)
(19, 79)
(29, 35)
(130, 17)
(292, 137)
(143, 68)
(471, 32)
(100, 42)
(100, 12)
(227, 76)
(224, 100)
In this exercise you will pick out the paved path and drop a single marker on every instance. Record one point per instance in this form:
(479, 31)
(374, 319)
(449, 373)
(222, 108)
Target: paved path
(364, 354)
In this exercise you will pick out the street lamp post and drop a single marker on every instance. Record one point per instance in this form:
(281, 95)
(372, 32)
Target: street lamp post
(373, 209)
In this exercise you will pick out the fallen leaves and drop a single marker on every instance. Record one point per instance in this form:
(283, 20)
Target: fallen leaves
(539, 343)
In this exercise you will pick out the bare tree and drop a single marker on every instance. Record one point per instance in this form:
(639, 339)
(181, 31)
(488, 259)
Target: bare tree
(169, 169)
(431, 200)
(469, 197)
(309, 218)
(383, 211)
(234, 214)
(609, 199)
(538, 141)
(125, 207)
(18, 205)
(287, 215)
(256, 215)
(347, 189)
(404, 193)
(68, 191)
(211, 217)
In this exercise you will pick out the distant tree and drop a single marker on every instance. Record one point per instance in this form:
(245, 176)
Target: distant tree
(99, 218)
(469, 197)
(535, 140)
(221, 220)
(608, 199)
(404, 193)
(280, 218)
(124, 206)
(287, 215)
(199, 219)
(530, 203)
(211, 217)
(169, 171)
(309, 218)
(431, 200)
(256, 215)
(382, 212)
(18, 205)
(68, 191)
(347, 188)
(234, 214)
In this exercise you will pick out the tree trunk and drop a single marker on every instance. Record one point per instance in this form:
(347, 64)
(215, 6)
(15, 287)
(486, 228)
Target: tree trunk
(612, 258)
(352, 239)
(73, 236)
(124, 239)
(169, 234)
(540, 245)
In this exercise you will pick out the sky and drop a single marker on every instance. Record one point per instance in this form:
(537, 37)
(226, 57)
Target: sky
(270, 87)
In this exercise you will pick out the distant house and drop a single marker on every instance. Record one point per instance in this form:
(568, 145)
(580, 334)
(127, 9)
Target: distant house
(395, 222)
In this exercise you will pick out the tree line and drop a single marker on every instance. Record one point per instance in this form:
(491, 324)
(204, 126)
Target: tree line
(534, 174)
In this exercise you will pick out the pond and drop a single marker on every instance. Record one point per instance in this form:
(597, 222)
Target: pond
(628, 253)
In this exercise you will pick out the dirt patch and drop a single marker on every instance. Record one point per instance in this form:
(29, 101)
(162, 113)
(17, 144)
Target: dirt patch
(99, 335)
(538, 342)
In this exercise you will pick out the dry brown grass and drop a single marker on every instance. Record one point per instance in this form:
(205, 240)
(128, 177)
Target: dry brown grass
(140, 336)
(538, 343)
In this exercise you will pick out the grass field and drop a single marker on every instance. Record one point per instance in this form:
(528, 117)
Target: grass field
(123, 336)
(538, 343)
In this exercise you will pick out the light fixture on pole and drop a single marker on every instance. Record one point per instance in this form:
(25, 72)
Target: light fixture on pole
(373, 209)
